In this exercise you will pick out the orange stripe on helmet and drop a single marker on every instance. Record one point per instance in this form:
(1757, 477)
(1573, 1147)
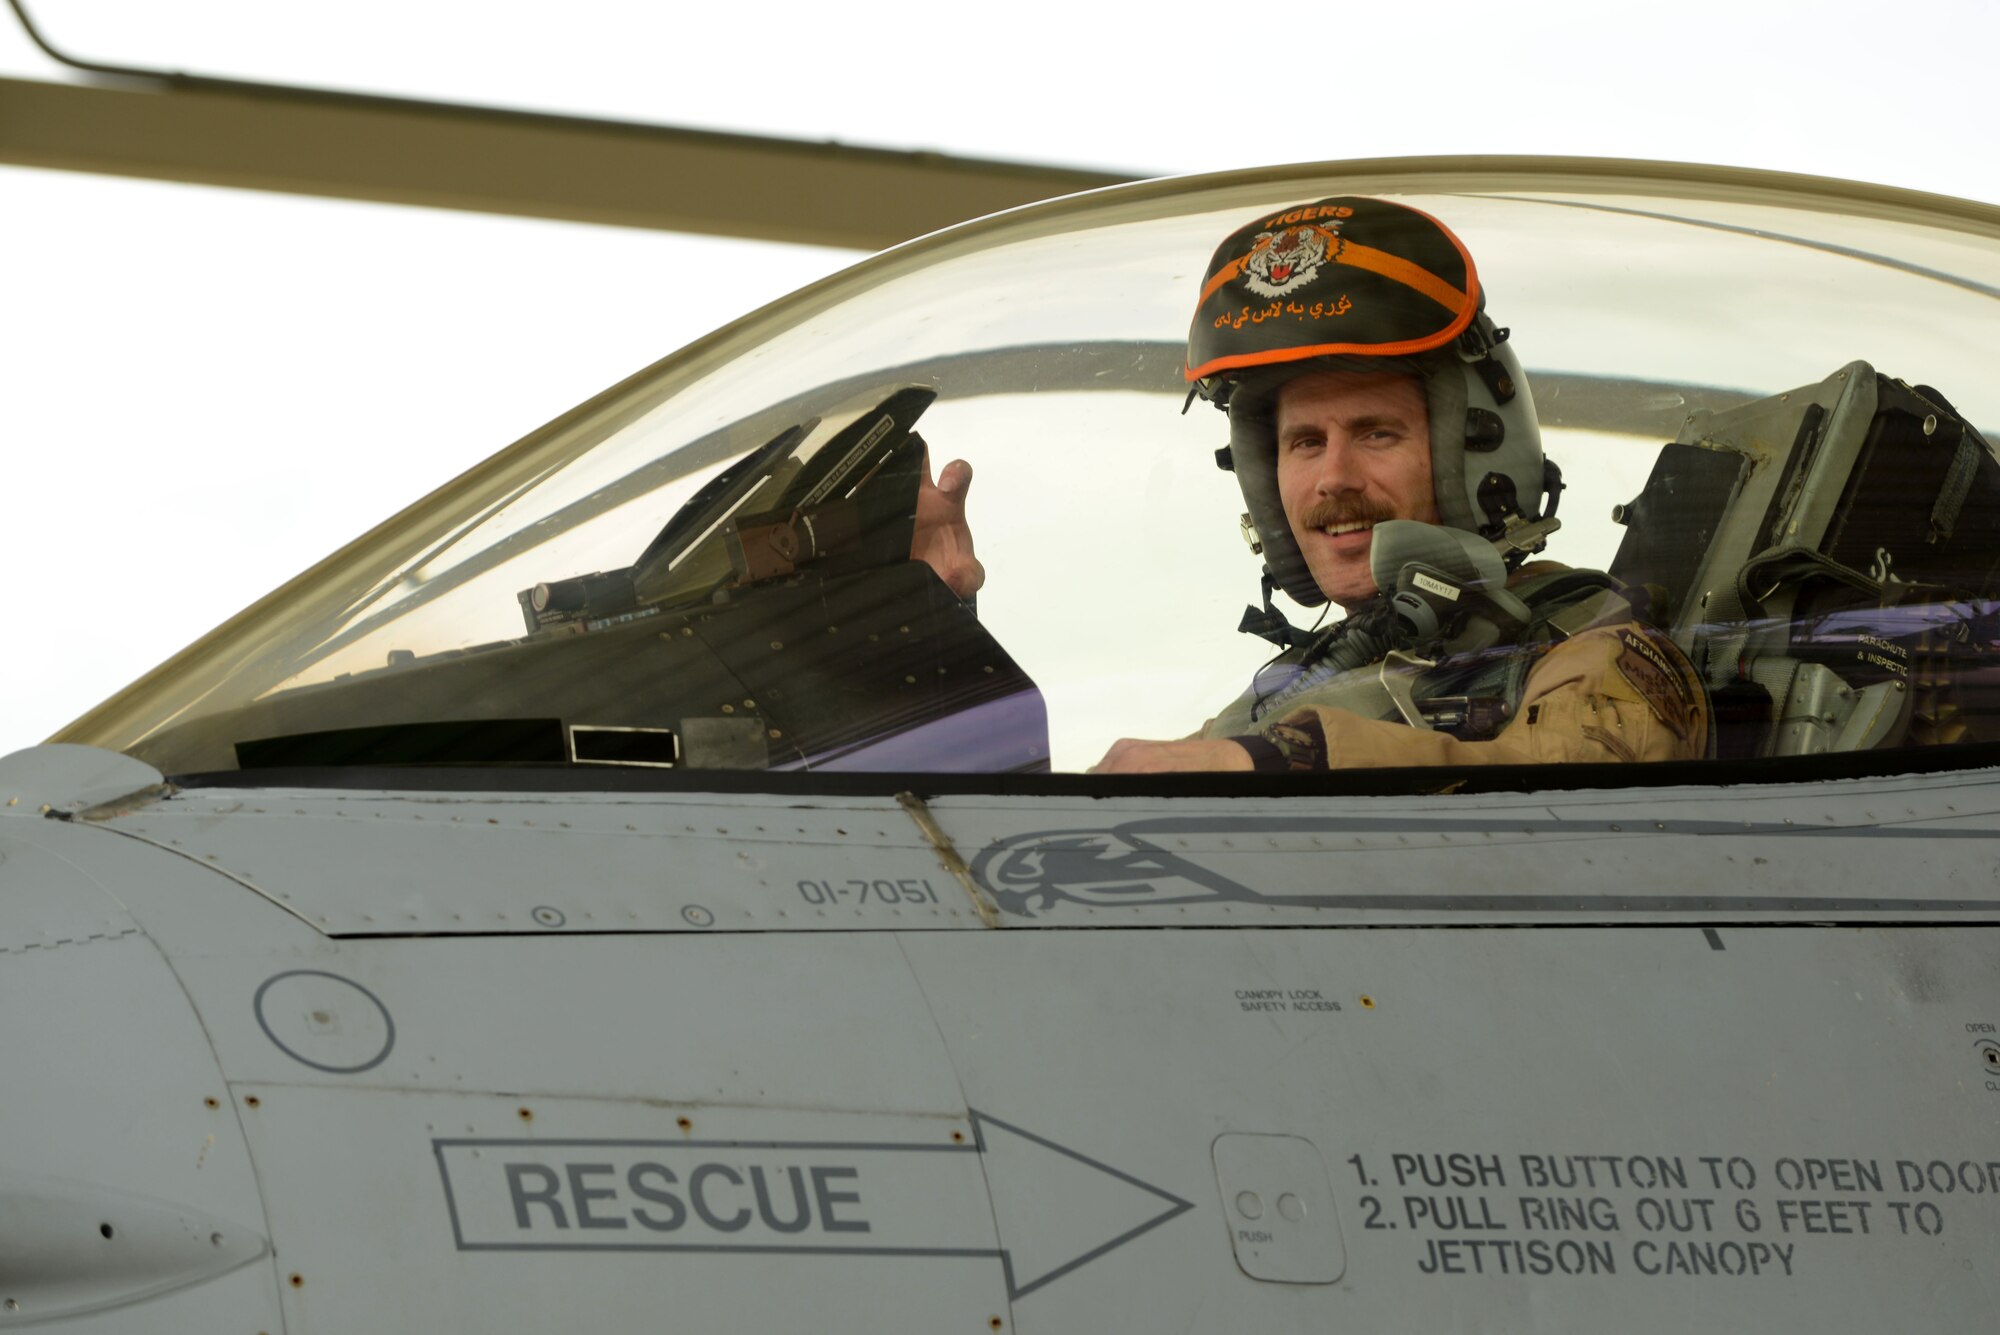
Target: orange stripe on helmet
(1276, 356)
(1223, 275)
(1399, 270)
(1342, 251)
(1463, 305)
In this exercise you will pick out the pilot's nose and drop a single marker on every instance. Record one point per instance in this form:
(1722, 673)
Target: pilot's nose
(1338, 471)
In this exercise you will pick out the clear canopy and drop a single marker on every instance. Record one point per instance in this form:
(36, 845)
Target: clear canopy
(708, 566)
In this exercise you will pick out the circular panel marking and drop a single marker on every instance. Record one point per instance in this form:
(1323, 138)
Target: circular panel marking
(549, 917)
(698, 915)
(324, 1021)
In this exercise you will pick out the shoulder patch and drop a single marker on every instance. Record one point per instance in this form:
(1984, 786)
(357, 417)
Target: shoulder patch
(1655, 668)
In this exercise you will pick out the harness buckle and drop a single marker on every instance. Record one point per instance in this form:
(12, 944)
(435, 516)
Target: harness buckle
(1408, 666)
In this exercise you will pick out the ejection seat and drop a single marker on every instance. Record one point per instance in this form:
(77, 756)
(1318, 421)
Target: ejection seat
(1829, 559)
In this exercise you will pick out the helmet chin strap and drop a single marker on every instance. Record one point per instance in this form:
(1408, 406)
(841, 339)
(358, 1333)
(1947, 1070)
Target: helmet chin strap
(1269, 623)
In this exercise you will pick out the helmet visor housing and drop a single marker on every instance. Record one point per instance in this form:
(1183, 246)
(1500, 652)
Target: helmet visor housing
(1342, 276)
(1354, 283)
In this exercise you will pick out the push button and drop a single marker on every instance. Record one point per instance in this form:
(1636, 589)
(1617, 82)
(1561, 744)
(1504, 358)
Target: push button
(1279, 1204)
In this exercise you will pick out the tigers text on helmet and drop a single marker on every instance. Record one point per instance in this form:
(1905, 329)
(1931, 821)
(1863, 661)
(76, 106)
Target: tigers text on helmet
(1352, 283)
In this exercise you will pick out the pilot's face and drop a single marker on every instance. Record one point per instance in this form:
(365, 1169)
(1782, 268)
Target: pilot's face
(1354, 449)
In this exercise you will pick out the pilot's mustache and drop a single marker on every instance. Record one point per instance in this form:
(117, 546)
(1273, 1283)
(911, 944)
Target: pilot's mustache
(1347, 510)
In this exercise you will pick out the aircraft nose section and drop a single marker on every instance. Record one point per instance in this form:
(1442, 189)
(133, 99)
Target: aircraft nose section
(125, 1179)
(67, 1248)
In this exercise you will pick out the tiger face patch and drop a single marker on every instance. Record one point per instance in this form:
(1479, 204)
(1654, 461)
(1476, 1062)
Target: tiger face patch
(1286, 261)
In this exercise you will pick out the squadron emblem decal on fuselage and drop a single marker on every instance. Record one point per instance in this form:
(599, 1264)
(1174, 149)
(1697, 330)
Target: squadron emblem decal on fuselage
(1040, 873)
(1094, 867)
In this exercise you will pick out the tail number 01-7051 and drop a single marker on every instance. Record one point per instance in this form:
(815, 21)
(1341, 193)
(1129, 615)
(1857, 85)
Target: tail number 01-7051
(909, 890)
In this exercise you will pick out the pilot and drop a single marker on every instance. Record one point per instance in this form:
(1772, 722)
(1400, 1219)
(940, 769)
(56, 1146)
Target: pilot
(1347, 341)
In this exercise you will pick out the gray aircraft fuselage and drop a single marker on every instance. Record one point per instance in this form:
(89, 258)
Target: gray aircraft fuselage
(1646, 1058)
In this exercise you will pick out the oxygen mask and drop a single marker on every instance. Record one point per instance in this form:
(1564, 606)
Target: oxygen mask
(1444, 586)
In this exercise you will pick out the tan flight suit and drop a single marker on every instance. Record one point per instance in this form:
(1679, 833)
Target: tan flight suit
(1607, 693)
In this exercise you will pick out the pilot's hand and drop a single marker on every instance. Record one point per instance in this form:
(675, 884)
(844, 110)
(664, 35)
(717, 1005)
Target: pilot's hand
(1131, 756)
(942, 539)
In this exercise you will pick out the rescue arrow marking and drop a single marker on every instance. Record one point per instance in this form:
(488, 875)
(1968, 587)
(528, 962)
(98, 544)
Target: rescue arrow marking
(1015, 1288)
(818, 1198)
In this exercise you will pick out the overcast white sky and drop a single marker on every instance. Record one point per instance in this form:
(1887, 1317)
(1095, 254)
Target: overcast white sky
(204, 391)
